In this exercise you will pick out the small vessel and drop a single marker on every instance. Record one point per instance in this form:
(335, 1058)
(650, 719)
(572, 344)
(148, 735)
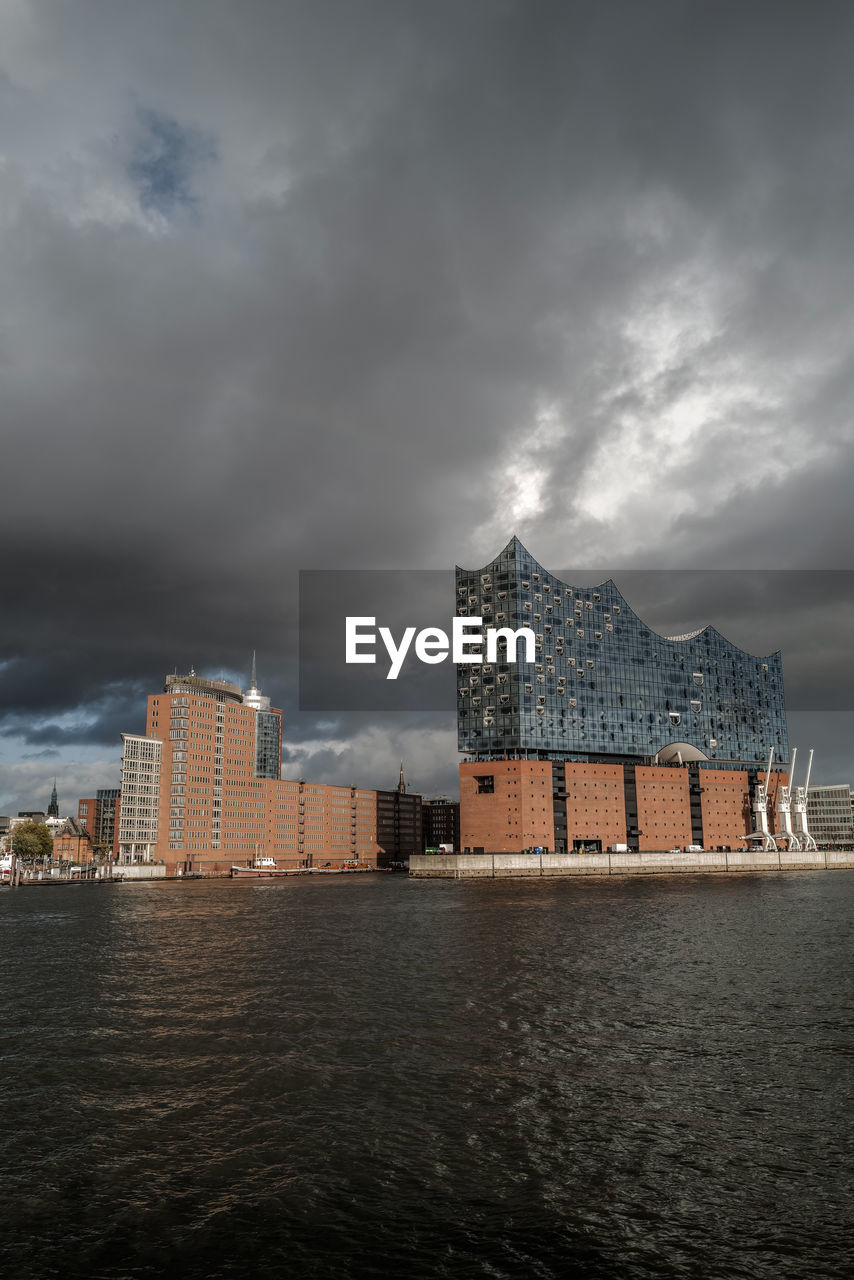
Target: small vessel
(261, 867)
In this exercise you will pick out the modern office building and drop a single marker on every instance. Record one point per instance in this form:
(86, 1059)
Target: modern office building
(830, 815)
(613, 733)
(107, 799)
(399, 829)
(202, 790)
(441, 823)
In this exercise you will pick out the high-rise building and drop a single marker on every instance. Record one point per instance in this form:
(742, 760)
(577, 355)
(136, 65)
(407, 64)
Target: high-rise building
(202, 790)
(140, 797)
(214, 751)
(613, 734)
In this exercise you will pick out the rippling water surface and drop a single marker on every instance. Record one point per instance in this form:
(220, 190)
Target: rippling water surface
(365, 1077)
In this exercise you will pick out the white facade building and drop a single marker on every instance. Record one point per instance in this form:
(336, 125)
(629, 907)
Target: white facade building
(140, 792)
(830, 814)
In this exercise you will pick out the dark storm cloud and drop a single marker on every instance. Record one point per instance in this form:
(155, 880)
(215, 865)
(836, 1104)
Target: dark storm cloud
(320, 285)
(163, 162)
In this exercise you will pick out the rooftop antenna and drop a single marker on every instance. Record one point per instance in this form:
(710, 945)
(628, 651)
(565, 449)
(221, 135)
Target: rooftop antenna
(401, 785)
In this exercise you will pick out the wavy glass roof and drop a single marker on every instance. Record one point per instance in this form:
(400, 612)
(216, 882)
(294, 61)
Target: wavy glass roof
(604, 684)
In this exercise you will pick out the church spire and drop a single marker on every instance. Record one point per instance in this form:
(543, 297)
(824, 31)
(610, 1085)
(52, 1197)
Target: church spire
(401, 786)
(53, 807)
(253, 679)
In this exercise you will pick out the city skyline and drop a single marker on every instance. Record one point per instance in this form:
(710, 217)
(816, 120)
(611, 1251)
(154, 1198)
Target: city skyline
(676, 592)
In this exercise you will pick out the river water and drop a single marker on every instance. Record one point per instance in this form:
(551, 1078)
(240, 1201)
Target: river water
(366, 1076)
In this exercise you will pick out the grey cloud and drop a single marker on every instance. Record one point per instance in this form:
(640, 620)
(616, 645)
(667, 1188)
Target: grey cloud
(573, 270)
(163, 161)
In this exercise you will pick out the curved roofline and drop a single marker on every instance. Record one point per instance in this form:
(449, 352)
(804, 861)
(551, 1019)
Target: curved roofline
(513, 540)
(675, 640)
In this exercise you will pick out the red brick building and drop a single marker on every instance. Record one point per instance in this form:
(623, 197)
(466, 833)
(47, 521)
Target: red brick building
(72, 843)
(510, 805)
(201, 790)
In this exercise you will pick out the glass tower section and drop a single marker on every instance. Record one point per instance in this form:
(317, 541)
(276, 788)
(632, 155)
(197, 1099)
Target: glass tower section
(268, 744)
(604, 685)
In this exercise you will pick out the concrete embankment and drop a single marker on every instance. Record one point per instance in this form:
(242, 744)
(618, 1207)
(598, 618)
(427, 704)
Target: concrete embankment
(460, 866)
(141, 871)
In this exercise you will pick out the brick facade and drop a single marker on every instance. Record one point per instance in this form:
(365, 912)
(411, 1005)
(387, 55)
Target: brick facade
(213, 811)
(509, 805)
(725, 807)
(664, 807)
(595, 804)
(516, 813)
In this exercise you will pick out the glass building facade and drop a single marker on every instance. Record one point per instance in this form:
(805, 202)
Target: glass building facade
(604, 686)
(268, 744)
(106, 815)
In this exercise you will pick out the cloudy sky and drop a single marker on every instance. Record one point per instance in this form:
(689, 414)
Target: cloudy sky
(376, 284)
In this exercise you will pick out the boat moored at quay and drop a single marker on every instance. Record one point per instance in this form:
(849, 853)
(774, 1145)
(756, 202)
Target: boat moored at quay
(260, 868)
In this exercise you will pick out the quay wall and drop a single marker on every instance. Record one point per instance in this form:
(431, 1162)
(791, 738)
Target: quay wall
(465, 866)
(141, 871)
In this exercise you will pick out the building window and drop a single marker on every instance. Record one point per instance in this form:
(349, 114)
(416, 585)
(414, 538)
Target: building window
(485, 784)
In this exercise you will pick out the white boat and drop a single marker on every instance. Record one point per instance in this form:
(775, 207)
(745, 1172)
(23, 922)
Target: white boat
(261, 867)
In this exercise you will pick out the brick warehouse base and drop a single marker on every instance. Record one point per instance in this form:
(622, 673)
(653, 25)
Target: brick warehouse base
(516, 805)
(489, 866)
